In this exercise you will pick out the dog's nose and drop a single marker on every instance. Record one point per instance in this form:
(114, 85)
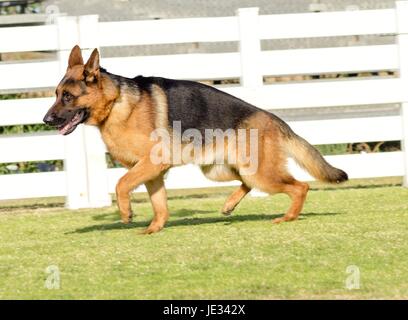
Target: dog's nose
(49, 118)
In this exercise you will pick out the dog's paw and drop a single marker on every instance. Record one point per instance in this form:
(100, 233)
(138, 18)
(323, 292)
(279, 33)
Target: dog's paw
(127, 218)
(227, 209)
(278, 220)
(227, 212)
(153, 228)
(284, 219)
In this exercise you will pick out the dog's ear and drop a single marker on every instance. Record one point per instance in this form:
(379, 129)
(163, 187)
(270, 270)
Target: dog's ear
(75, 57)
(91, 71)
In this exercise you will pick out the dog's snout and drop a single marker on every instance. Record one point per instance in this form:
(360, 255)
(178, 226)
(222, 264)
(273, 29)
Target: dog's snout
(49, 118)
(52, 119)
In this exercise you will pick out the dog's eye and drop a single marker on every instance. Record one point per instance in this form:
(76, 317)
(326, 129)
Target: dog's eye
(66, 96)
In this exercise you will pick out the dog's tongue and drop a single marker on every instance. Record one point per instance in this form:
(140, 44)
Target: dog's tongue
(70, 125)
(65, 128)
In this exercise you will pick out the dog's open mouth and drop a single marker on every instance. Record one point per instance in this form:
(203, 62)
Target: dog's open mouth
(70, 125)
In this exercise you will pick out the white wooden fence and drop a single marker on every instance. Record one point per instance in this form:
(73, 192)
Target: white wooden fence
(86, 180)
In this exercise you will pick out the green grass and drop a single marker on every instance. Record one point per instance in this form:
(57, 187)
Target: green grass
(203, 255)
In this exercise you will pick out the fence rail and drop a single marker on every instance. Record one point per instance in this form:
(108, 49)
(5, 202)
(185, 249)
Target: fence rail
(87, 182)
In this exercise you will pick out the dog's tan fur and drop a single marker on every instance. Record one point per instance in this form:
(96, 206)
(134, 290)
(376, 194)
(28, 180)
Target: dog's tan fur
(127, 116)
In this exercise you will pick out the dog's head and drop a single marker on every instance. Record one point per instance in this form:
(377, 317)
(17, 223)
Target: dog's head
(81, 96)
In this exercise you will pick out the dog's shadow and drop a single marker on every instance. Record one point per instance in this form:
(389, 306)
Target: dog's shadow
(227, 220)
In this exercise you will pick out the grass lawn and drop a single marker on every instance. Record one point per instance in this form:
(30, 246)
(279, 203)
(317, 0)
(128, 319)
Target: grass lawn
(202, 254)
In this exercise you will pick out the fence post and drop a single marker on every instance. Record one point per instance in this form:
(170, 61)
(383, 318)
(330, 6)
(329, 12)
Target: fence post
(95, 153)
(249, 47)
(250, 52)
(75, 159)
(402, 38)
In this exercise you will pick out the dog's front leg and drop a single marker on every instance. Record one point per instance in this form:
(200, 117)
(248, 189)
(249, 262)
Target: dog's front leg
(142, 172)
(158, 198)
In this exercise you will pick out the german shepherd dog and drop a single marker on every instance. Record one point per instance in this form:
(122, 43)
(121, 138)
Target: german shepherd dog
(127, 111)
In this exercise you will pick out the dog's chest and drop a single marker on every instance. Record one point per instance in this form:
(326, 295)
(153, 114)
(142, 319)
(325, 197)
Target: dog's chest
(121, 145)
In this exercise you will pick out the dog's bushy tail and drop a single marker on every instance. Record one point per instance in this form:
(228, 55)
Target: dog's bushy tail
(309, 158)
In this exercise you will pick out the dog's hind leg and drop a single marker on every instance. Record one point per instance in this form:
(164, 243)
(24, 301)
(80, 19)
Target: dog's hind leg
(297, 191)
(274, 178)
(158, 198)
(234, 199)
(222, 172)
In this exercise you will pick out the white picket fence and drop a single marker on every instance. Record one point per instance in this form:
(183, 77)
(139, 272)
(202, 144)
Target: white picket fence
(86, 181)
